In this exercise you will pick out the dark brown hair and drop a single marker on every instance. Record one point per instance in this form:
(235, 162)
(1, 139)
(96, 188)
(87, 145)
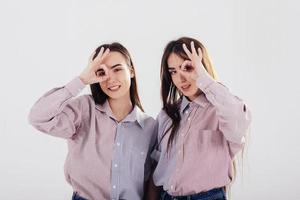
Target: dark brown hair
(169, 93)
(98, 95)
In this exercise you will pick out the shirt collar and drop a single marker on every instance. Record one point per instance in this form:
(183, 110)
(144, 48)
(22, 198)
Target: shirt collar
(184, 104)
(199, 100)
(135, 115)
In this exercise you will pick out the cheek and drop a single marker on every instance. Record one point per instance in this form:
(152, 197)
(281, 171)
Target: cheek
(175, 80)
(124, 77)
(103, 86)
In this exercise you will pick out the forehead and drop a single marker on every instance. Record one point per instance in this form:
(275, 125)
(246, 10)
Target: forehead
(113, 58)
(174, 61)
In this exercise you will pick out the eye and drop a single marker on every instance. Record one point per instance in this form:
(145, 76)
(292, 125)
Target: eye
(172, 72)
(117, 69)
(100, 72)
(188, 68)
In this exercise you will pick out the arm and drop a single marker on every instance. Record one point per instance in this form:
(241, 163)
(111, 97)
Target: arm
(56, 113)
(233, 115)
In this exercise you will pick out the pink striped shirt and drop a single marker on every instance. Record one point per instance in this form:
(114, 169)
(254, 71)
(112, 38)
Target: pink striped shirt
(212, 131)
(106, 159)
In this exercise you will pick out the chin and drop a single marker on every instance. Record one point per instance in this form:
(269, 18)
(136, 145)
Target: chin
(117, 95)
(114, 96)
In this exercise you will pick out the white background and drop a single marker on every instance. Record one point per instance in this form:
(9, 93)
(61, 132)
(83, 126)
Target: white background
(254, 46)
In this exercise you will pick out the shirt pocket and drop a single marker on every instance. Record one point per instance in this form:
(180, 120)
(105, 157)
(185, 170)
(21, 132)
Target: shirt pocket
(208, 140)
(137, 164)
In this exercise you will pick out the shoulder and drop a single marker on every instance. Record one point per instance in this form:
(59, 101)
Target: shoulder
(145, 119)
(85, 103)
(162, 116)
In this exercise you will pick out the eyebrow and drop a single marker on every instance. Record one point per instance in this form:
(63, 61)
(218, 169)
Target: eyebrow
(116, 65)
(172, 68)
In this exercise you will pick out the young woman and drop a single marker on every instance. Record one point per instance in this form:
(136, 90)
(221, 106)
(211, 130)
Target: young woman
(109, 136)
(201, 127)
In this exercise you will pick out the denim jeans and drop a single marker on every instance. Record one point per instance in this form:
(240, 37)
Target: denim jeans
(214, 194)
(77, 197)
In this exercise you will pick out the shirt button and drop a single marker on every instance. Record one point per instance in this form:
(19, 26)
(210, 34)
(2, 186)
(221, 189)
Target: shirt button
(142, 153)
(116, 165)
(114, 186)
(118, 144)
(187, 112)
(189, 119)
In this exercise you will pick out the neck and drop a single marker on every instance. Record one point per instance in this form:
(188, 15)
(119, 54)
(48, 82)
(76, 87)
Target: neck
(193, 97)
(120, 107)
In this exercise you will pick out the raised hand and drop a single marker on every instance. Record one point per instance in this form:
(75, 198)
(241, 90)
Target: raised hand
(96, 71)
(193, 67)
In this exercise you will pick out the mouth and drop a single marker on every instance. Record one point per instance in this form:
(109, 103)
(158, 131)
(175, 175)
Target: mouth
(185, 87)
(114, 88)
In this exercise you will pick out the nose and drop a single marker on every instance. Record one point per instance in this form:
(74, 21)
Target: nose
(110, 74)
(182, 77)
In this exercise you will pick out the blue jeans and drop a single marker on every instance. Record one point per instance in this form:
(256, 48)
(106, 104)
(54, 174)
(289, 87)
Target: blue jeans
(214, 194)
(77, 197)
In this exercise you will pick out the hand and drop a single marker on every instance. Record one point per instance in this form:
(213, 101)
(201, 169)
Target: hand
(95, 72)
(193, 67)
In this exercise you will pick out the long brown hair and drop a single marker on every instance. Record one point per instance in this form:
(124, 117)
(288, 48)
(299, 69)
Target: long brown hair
(169, 93)
(98, 95)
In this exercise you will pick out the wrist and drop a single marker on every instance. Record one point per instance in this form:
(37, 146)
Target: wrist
(83, 80)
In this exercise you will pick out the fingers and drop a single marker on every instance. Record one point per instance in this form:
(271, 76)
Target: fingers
(187, 51)
(200, 52)
(102, 78)
(105, 53)
(193, 48)
(186, 65)
(92, 56)
(102, 54)
(101, 70)
(188, 70)
(194, 52)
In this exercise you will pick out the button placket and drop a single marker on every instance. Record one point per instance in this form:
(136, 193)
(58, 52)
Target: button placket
(115, 163)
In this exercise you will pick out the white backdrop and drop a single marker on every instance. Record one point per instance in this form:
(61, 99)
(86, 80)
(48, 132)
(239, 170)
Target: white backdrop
(253, 44)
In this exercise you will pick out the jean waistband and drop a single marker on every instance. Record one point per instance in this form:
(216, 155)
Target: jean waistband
(77, 197)
(211, 194)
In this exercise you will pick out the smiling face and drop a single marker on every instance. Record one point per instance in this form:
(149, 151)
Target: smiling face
(185, 84)
(119, 76)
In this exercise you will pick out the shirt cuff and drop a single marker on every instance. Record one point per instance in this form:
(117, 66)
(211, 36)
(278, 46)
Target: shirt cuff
(75, 86)
(155, 155)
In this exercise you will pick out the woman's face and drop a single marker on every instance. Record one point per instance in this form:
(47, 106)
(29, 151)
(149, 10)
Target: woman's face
(118, 82)
(181, 80)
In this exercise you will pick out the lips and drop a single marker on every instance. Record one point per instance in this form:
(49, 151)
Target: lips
(114, 88)
(185, 87)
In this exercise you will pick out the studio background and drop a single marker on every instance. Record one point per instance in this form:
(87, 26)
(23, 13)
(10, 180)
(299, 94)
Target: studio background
(254, 46)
